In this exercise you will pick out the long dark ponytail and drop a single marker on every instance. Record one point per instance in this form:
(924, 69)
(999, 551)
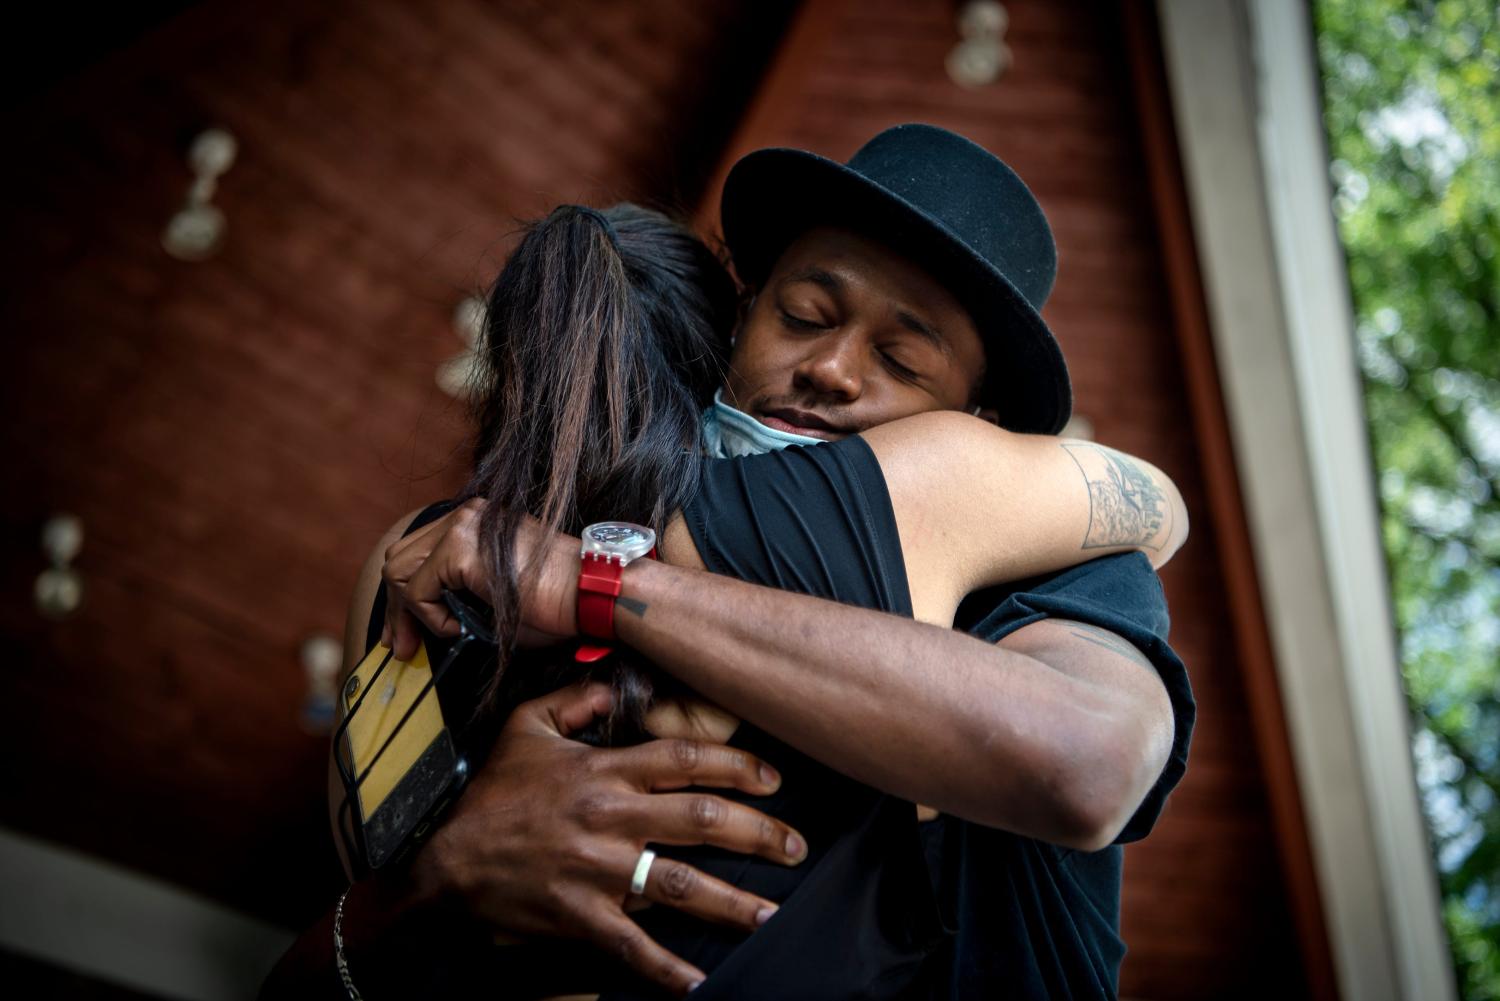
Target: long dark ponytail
(605, 335)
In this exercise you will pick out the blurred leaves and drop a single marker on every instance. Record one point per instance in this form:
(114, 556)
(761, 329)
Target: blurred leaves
(1412, 107)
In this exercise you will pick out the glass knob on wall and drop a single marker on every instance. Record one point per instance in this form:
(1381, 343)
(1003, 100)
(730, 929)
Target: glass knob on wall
(197, 229)
(59, 588)
(982, 55)
(456, 374)
(322, 656)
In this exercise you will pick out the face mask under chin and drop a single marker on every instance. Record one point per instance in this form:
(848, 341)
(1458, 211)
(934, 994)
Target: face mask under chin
(729, 433)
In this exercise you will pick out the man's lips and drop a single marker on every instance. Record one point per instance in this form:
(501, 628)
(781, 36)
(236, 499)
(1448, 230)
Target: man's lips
(800, 422)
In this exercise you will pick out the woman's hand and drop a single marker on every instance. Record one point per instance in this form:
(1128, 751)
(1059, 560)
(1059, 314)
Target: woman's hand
(446, 555)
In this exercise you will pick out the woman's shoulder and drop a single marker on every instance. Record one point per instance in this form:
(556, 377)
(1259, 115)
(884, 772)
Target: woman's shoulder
(950, 432)
(968, 456)
(957, 485)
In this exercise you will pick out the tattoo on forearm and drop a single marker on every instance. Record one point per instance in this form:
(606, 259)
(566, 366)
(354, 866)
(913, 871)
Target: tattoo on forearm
(631, 605)
(1126, 507)
(1108, 641)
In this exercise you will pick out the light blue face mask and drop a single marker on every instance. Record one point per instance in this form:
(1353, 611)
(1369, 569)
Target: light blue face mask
(729, 433)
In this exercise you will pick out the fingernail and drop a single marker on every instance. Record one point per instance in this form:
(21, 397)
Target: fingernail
(769, 777)
(694, 986)
(794, 846)
(764, 914)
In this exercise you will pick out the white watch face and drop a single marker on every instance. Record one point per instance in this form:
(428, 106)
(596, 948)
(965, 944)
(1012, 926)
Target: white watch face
(619, 540)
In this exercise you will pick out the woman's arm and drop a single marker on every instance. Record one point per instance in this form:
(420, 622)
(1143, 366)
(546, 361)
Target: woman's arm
(977, 505)
(356, 621)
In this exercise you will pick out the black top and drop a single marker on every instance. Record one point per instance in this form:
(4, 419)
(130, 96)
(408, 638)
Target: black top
(1030, 919)
(882, 906)
(1021, 918)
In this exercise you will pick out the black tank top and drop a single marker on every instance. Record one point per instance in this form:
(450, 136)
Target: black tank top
(857, 917)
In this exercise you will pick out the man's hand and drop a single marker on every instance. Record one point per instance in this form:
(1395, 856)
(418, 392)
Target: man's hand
(446, 554)
(545, 839)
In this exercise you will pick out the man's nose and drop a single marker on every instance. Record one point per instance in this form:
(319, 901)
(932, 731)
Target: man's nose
(833, 368)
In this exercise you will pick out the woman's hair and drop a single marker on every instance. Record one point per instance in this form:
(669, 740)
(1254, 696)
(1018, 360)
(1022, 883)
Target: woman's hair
(604, 338)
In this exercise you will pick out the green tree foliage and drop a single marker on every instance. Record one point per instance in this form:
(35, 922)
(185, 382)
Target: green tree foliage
(1412, 107)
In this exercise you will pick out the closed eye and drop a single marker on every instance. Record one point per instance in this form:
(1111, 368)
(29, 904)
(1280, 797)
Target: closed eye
(798, 323)
(897, 369)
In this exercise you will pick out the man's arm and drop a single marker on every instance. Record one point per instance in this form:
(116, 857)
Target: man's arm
(1056, 733)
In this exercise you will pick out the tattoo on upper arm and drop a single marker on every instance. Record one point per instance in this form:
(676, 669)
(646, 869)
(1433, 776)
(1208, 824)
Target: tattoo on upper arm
(1126, 507)
(1108, 640)
(633, 606)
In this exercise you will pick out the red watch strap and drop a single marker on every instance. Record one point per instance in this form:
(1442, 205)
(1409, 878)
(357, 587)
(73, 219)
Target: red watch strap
(598, 587)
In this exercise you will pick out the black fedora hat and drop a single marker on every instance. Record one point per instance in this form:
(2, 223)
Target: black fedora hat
(945, 203)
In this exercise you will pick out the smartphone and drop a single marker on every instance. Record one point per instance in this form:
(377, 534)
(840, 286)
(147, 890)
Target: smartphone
(400, 755)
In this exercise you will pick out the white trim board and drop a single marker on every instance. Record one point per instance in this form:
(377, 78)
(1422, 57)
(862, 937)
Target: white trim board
(1247, 106)
(91, 916)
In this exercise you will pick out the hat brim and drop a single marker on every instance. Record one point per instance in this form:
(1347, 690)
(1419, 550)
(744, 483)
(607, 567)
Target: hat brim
(772, 196)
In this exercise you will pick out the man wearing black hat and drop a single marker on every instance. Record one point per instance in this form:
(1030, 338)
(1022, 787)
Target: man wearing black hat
(827, 351)
(944, 203)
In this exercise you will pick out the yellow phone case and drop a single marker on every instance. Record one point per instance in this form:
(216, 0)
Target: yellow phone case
(399, 790)
(397, 687)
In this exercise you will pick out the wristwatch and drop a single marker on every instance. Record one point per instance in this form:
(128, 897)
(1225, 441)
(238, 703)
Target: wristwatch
(608, 548)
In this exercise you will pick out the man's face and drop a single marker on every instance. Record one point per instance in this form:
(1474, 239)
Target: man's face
(847, 335)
